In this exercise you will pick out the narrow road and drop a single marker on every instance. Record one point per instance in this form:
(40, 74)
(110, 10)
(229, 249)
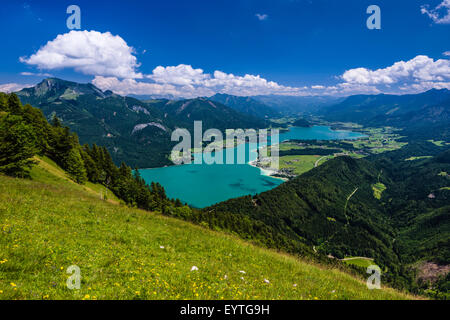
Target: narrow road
(354, 258)
(345, 207)
(353, 193)
(346, 217)
(317, 162)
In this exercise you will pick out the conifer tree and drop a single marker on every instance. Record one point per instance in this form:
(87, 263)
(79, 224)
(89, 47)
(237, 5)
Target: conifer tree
(3, 102)
(92, 171)
(56, 122)
(75, 166)
(17, 146)
(14, 104)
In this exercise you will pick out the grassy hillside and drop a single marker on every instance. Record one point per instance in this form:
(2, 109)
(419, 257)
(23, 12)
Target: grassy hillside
(49, 223)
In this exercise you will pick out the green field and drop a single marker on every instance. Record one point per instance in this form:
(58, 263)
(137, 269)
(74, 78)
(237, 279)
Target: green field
(379, 140)
(48, 224)
(418, 158)
(299, 164)
(378, 190)
(359, 261)
(439, 143)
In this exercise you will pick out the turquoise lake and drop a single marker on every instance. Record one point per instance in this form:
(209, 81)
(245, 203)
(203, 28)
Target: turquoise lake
(202, 185)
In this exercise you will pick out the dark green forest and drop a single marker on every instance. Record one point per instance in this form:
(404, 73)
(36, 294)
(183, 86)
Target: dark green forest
(25, 132)
(333, 208)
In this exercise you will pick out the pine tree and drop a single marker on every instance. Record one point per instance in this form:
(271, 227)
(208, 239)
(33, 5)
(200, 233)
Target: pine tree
(75, 166)
(56, 122)
(17, 146)
(41, 127)
(14, 104)
(3, 102)
(92, 171)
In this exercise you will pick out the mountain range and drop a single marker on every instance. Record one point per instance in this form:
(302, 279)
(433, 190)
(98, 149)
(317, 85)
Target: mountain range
(138, 132)
(297, 105)
(247, 105)
(134, 131)
(424, 115)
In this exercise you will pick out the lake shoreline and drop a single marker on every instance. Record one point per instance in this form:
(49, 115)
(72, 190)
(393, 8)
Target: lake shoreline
(204, 185)
(267, 171)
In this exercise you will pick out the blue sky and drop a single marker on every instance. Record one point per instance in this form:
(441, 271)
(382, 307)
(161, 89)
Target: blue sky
(284, 47)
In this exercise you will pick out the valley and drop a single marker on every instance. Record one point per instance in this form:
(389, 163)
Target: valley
(203, 185)
(125, 253)
(224, 159)
(349, 192)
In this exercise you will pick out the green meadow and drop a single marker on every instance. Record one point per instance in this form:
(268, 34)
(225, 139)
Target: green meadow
(359, 261)
(50, 223)
(300, 164)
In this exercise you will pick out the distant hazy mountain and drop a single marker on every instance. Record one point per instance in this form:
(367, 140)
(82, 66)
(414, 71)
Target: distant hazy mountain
(146, 97)
(213, 115)
(246, 105)
(292, 105)
(134, 131)
(366, 108)
(426, 114)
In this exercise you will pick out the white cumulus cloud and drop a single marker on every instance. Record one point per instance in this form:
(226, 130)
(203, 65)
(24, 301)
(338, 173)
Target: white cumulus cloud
(247, 85)
(13, 87)
(416, 75)
(178, 75)
(131, 86)
(185, 81)
(421, 68)
(115, 67)
(439, 14)
(88, 52)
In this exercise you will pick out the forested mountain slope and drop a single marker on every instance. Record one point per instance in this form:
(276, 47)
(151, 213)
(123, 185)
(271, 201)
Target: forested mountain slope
(422, 116)
(335, 208)
(131, 130)
(246, 105)
(212, 114)
(136, 132)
